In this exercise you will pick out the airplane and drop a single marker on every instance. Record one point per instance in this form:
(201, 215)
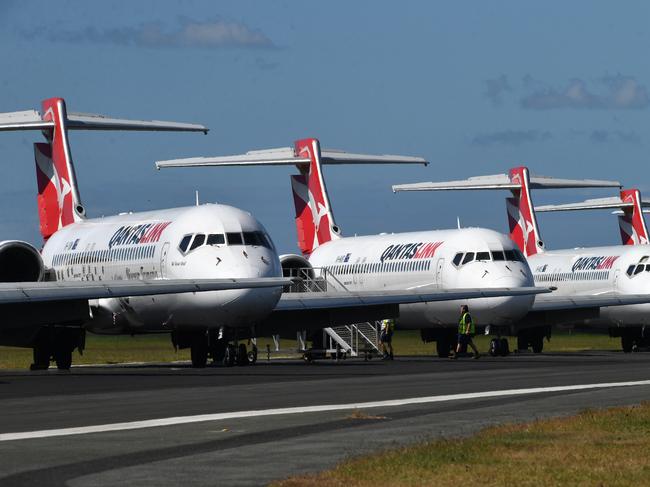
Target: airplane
(393, 261)
(629, 206)
(603, 287)
(108, 271)
(220, 243)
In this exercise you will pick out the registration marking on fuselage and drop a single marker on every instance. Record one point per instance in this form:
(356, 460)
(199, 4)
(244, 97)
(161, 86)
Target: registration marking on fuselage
(199, 418)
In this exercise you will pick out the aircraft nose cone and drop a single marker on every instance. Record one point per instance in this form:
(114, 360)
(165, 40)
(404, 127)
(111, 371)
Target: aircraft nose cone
(513, 306)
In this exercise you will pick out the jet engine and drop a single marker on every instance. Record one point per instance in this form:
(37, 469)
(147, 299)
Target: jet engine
(294, 265)
(20, 262)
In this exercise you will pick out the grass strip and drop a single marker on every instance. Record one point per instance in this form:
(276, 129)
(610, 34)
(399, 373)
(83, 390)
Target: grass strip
(158, 348)
(594, 448)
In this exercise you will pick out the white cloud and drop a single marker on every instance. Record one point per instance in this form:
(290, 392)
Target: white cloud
(617, 92)
(188, 33)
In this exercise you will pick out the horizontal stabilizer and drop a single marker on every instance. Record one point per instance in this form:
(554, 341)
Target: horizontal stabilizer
(502, 181)
(613, 202)
(286, 156)
(33, 120)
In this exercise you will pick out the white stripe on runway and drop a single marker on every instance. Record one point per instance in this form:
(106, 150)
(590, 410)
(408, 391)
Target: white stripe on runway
(154, 423)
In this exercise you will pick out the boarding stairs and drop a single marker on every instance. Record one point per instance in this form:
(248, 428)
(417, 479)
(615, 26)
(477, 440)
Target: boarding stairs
(354, 340)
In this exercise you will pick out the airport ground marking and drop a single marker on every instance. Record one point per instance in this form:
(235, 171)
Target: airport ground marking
(200, 418)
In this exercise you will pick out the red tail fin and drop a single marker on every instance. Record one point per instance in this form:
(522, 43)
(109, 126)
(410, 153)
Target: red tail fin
(59, 203)
(631, 222)
(521, 214)
(314, 218)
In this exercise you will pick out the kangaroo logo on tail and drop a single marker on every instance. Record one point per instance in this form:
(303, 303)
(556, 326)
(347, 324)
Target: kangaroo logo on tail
(314, 217)
(631, 223)
(521, 214)
(59, 203)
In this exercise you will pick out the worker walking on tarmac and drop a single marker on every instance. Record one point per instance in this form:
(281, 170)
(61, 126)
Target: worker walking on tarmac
(466, 330)
(386, 338)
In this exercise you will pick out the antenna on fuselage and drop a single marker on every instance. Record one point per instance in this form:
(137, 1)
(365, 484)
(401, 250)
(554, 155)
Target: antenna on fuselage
(458, 222)
(196, 195)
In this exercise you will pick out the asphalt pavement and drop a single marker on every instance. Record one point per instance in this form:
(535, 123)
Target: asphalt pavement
(164, 425)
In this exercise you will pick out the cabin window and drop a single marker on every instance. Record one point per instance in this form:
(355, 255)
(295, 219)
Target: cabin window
(458, 258)
(482, 255)
(469, 257)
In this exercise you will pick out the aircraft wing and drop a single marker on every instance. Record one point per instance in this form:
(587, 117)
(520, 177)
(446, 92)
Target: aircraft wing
(299, 311)
(33, 292)
(561, 303)
(341, 299)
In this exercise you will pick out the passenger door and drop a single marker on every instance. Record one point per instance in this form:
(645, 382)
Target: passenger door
(163, 260)
(439, 268)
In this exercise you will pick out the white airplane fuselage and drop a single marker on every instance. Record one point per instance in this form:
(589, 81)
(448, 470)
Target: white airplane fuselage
(598, 270)
(207, 241)
(425, 261)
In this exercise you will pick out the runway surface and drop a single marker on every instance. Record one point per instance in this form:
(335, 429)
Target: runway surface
(242, 442)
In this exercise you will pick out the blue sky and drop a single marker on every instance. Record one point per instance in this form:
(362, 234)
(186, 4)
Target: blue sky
(474, 87)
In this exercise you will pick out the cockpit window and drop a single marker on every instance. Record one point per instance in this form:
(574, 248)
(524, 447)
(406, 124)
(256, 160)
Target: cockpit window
(457, 258)
(630, 270)
(252, 238)
(640, 268)
(199, 240)
(216, 239)
(469, 257)
(234, 239)
(185, 241)
(265, 239)
(482, 255)
(498, 255)
(510, 255)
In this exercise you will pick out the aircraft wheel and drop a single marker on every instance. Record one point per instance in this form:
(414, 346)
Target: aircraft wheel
(63, 359)
(443, 347)
(522, 342)
(41, 358)
(538, 344)
(494, 347)
(218, 352)
(229, 356)
(242, 355)
(199, 354)
(627, 343)
(504, 347)
(252, 355)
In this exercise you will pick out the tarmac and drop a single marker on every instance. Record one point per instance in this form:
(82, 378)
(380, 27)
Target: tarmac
(169, 424)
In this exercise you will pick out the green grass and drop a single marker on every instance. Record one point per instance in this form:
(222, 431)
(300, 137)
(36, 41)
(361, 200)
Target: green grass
(409, 343)
(593, 448)
(116, 349)
(158, 348)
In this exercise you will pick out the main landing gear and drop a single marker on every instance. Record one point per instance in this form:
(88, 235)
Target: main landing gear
(532, 338)
(56, 344)
(211, 344)
(499, 347)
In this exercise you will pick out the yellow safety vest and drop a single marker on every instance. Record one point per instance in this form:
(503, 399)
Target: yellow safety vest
(464, 327)
(388, 326)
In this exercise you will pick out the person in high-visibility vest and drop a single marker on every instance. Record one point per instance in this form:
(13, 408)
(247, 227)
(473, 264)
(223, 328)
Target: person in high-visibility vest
(386, 338)
(466, 330)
